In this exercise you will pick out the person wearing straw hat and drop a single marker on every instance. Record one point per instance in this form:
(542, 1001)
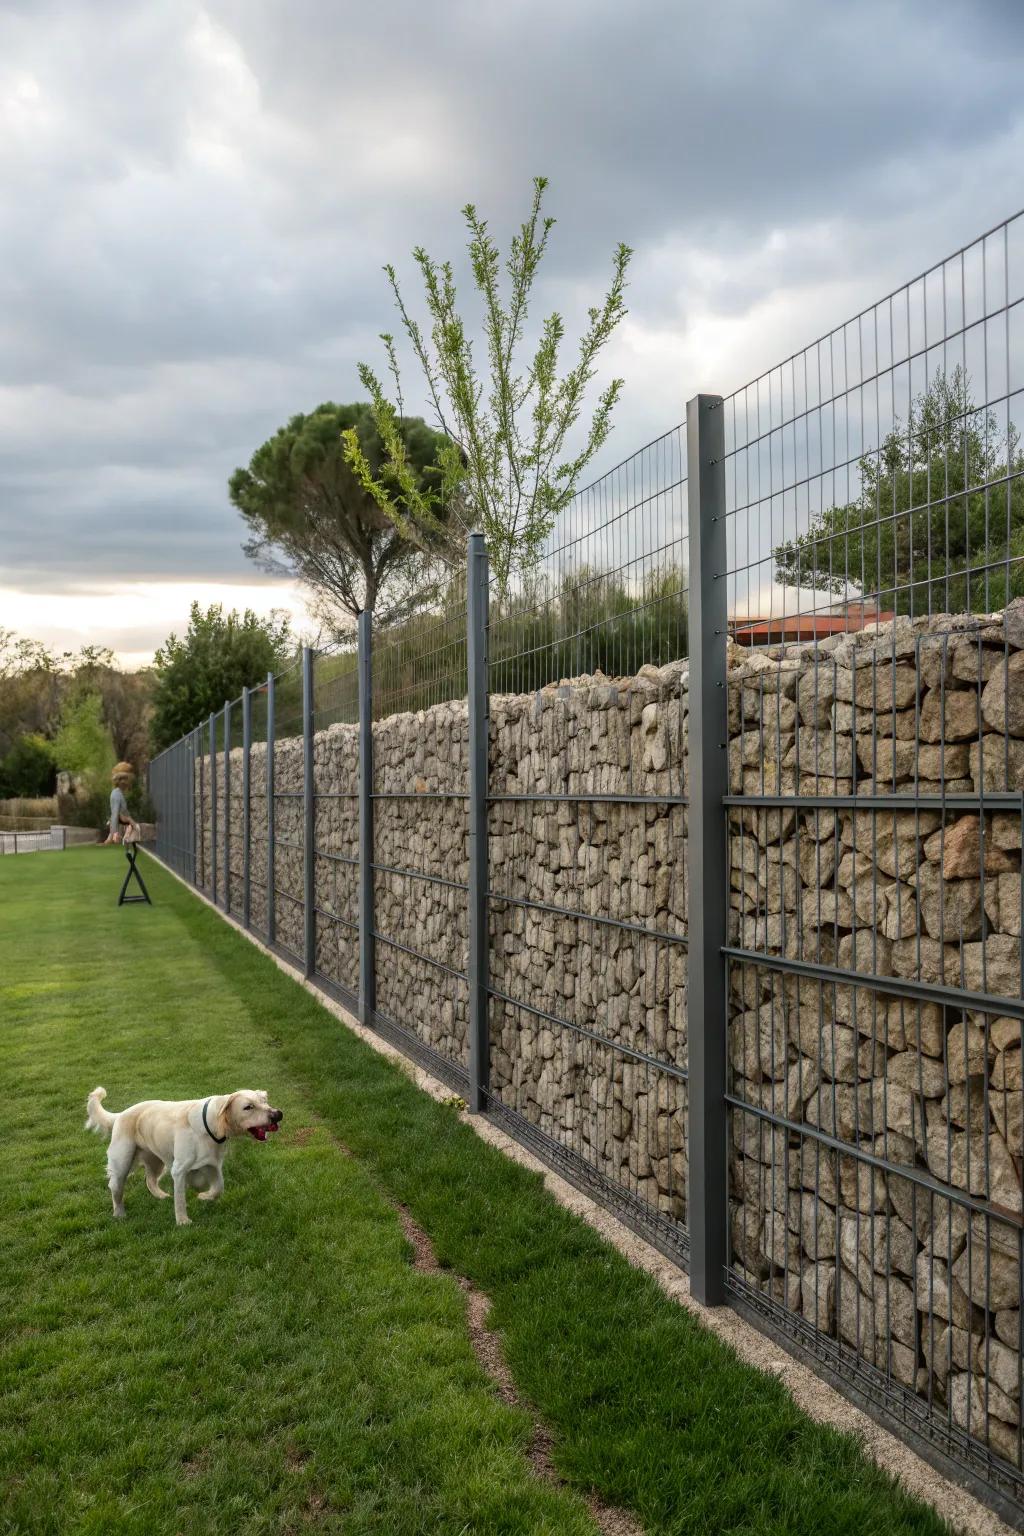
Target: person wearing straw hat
(120, 816)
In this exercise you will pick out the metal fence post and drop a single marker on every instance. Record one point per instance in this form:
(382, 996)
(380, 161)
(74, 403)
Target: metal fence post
(707, 1215)
(213, 809)
(308, 855)
(195, 810)
(246, 750)
(227, 806)
(271, 913)
(367, 952)
(476, 661)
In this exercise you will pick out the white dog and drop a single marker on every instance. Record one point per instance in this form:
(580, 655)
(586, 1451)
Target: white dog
(188, 1136)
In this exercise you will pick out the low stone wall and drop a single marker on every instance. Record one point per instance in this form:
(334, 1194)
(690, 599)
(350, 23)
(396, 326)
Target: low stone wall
(832, 1080)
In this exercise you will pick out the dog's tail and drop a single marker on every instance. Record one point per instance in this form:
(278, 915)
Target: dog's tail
(98, 1119)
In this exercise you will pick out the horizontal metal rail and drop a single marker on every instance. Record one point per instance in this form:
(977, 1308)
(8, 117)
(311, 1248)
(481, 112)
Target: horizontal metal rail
(335, 917)
(898, 804)
(589, 917)
(588, 796)
(591, 1034)
(900, 986)
(336, 858)
(419, 874)
(415, 794)
(913, 1175)
(418, 954)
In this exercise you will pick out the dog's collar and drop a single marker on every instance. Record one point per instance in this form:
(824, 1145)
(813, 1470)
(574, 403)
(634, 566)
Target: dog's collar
(206, 1123)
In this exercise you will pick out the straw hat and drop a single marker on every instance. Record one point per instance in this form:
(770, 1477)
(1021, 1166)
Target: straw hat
(122, 771)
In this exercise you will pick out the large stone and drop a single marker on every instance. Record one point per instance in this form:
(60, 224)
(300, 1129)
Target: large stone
(892, 760)
(958, 849)
(977, 1162)
(967, 1051)
(951, 909)
(1002, 701)
(921, 1074)
(991, 1279)
(950, 715)
(892, 841)
(818, 1295)
(877, 685)
(939, 1294)
(979, 1410)
(997, 763)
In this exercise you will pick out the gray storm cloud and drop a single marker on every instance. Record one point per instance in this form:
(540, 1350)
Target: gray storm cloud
(198, 201)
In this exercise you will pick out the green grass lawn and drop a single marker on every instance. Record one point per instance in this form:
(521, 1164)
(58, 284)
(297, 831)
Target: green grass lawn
(279, 1366)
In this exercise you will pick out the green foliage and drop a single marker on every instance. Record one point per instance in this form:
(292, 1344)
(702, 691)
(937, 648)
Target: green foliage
(504, 458)
(83, 744)
(36, 685)
(939, 521)
(28, 769)
(310, 515)
(218, 656)
(546, 633)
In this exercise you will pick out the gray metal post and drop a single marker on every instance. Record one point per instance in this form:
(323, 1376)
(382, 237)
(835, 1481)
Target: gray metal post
(707, 1215)
(367, 952)
(213, 809)
(271, 911)
(246, 750)
(476, 660)
(227, 806)
(195, 808)
(308, 852)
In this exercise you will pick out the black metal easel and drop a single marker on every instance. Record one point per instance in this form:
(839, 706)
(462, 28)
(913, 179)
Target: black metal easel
(131, 851)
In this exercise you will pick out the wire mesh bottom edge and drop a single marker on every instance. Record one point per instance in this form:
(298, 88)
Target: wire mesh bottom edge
(410, 1044)
(660, 1231)
(895, 1407)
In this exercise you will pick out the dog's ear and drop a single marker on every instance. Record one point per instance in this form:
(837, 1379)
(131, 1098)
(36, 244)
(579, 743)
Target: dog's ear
(227, 1114)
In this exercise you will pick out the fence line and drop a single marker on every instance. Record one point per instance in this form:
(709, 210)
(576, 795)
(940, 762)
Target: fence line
(731, 941)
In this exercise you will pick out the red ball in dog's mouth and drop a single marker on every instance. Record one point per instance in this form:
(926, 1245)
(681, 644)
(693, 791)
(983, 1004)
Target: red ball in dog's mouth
(259, 1132)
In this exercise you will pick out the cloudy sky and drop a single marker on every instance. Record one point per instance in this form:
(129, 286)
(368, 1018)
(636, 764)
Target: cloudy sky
(197, 200)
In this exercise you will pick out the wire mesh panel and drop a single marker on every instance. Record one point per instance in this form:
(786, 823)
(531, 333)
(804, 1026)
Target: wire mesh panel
(587, 843)
(875, 766)
(201, 790)
(231, 828)
(258, 823)
(170, 789)
(420, 851)
(336, 820)
(289, 831)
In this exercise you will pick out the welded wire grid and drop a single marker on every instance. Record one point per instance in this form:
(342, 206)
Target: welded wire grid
(420, 836)
(255, 875)
(170, 784)
(201, 783)
(587, 842)
(875, 485)
(288, 841)
(336, 819)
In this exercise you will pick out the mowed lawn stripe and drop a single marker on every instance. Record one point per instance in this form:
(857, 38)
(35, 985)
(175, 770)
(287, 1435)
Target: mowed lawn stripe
(277, 1366)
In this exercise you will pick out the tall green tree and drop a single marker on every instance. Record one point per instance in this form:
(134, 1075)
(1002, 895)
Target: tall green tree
(83, 744)
(28, 769)
(218, 656)
(939, 521)
(311, 516)
(505, 455)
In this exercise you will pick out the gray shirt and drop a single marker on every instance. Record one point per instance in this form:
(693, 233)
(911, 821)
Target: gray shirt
(118, 808)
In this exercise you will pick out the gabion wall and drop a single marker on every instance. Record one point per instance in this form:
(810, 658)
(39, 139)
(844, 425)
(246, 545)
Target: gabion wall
(839, 1091)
